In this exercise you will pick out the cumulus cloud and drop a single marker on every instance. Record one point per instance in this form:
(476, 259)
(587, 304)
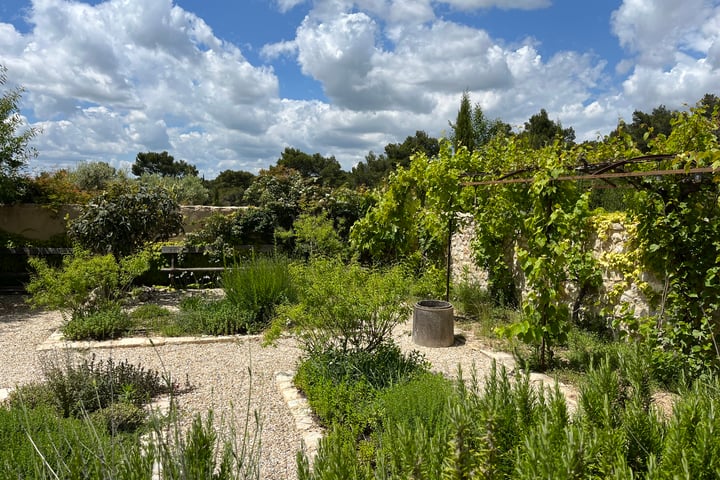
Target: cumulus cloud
(502, 4)
(106, 81)
(675, 44)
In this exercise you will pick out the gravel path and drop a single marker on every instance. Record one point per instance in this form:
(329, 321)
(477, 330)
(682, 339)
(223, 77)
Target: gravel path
(224, 376)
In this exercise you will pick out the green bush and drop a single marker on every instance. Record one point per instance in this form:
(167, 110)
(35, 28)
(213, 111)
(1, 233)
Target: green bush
(211, 317)
(109, 322)
(152, 318)
(315, 236)
(90, 385)
(121, 416)
(123, 219)
(257, 286)
(346, 307)
(84, 283)
(420, 402)
(36, 443)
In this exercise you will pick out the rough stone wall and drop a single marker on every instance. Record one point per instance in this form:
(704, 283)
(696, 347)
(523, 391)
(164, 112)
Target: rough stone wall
(463, 266)
(614, 241)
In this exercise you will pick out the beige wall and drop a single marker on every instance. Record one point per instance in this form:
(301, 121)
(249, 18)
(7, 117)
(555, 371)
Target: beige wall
(39, 222)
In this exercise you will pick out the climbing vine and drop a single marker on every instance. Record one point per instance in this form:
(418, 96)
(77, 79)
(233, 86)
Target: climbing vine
(536, 239)
(412, 212)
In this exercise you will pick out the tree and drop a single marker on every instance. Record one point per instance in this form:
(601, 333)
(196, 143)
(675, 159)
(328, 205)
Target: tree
(399, 153)
(188, 190)
(463, 132)
(281, 191)
(647, 126)
(485, 129)
(540, 131)
(228, 188)
(95, 176)
(376, 168)
(15, 149)
(126, 217)
(326, 169)
(162, 164)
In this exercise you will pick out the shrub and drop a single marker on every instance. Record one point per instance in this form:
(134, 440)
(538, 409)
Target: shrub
(106, 323)
(122, 416)
(90, 385)
(346, 307)
(85, 283)
(123, 219)
(95, 176)
(151, 317)
(421, 401)
(212, 317)
(257, 286)
(223, 235)
(315, 236)
(36, 443)
(341, 385)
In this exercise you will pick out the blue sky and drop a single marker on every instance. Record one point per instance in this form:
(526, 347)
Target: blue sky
(229, 85)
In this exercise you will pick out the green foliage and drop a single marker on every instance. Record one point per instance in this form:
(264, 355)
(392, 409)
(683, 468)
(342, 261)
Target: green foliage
(419, 402)
(54, 189)
(257, 286)
(125, 218)
(341, 385)
(412, 214)
(107, 322)
(200, 315)
(84, 283)
(162, 164)
(647, 126)
(121, 416)
(76, 388)
(691, 448)
(375, 169)
(223, 235)
(315, 236)
(346, 307)
(202, 454)
(325, 170)
(552, 219)
(678, 230)
(509, 428)
(100, 439)
(184, 190)
(541, 132)
(36, 443)
(281, 192)
(95, 176)
(228, 188)
(463, 132)
(15, 151)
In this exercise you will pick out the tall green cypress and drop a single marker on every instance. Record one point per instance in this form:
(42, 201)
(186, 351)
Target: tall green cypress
(463, 132)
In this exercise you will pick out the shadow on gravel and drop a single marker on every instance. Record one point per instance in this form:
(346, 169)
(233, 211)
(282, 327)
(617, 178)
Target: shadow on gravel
(14, 308)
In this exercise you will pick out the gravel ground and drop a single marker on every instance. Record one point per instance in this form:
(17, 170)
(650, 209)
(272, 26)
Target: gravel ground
(224, 376)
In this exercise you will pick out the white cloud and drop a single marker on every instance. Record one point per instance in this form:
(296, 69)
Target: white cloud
(107, 81)
(676, 47)
(502, 4)
(656, 29)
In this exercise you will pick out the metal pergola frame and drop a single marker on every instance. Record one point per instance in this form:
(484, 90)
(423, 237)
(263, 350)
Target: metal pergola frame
(605, 171)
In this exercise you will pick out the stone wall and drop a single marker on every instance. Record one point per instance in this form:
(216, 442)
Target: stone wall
(613, 241)
(40, 222)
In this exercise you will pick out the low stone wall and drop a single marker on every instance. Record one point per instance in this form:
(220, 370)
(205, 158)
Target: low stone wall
(40, 222)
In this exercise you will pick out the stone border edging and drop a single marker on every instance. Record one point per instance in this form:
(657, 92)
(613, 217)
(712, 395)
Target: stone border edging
(305, 423)
(56, 341)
